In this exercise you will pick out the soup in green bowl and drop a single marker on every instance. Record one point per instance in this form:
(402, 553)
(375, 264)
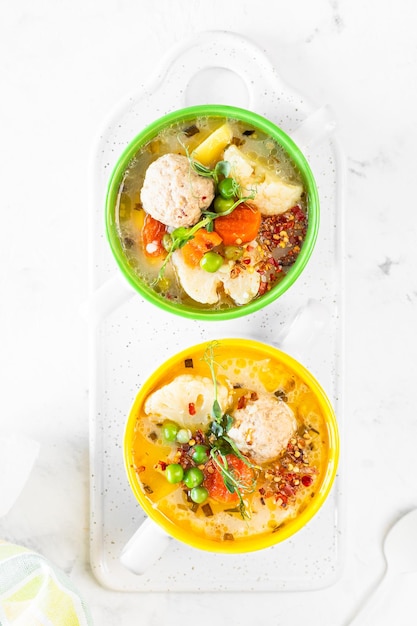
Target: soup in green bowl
(212, 212)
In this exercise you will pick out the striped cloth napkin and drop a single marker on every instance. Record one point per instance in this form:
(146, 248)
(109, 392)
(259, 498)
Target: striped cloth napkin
(35, 593)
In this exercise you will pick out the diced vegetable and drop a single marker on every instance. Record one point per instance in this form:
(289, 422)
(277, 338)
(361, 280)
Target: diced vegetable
(209, 151)
(240, 226)
(153, 233)
(215, 483)
(137, 217)
(201, 243)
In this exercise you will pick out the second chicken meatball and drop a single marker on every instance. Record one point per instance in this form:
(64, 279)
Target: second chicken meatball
(263, 427)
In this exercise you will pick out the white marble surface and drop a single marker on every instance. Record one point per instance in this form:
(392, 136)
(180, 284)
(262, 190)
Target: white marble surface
(64, 66)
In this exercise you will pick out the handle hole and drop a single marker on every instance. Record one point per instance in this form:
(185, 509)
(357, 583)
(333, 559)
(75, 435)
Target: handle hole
(217, 85)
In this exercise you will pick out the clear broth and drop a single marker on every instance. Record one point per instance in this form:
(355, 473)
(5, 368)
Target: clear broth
(130, 214)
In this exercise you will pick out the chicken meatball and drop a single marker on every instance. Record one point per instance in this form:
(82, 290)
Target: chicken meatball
(173, 193)
(263, 427)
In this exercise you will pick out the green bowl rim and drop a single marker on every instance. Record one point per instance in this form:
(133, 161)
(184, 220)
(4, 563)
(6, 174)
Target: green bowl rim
(244, 115)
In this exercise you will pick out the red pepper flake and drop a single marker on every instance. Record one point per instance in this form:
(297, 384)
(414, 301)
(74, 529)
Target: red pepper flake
(241, 403)
(191, 408)
(199, 437)
(262, 288)
(307, 480)
(162, 465)
(298, 213)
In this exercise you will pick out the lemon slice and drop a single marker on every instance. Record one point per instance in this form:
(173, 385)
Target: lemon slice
(209, 151)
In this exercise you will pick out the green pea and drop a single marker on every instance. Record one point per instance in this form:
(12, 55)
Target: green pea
(183, 435)
(221, 205)
(227, 188)
(170, 430)
(233, 253)
(199, 494)
(167, 241)
(199, 454)
(211, 262)
(193, 477)
(174, 473)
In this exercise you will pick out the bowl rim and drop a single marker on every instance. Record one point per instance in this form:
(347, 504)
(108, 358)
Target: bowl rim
(292, 526)
(185, 114)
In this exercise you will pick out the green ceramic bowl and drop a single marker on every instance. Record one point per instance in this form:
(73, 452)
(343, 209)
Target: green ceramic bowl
(184, 115)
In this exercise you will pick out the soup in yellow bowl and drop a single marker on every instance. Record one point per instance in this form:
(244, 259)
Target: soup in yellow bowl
(231, 446)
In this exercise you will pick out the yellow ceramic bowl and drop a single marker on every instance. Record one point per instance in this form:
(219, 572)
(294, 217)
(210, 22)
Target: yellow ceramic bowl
(243, 349)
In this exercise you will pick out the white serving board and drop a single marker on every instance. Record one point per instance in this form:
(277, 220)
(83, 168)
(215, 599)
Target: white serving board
(129, 337)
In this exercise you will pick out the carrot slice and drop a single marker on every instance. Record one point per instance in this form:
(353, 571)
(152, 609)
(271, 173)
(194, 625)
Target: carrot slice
(214, 482)
(202, 242)
(240, 226)
(152, 234)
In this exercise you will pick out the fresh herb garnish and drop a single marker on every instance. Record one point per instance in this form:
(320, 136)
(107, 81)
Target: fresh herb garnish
(222, 445)
(231, 481)
(179, 237)
(182, 235)
(222, 168)
(240, 200)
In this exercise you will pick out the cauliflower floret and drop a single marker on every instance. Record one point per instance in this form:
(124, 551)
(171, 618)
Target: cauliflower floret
(241, 166)
(263, 428)
(172, 401)
(243, 287)
(173, 193)
(242, 283)
(272, 195)
(200, 285)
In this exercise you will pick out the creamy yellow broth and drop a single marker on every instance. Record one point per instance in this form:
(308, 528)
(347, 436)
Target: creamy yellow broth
(267, 514)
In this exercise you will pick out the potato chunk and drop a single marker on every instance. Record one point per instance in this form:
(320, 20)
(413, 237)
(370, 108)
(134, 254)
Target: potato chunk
(209, 151)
